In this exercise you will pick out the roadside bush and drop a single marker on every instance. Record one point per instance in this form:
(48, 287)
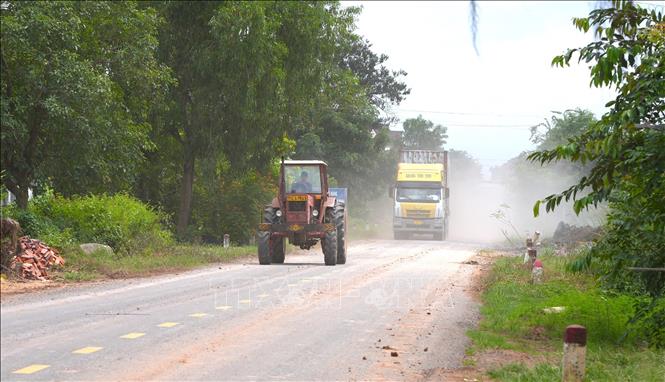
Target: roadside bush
(232, 204)
(36, 225)
(120, 221)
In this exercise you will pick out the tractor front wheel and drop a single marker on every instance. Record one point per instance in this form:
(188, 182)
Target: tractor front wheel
(277, 244)
(329, 242)
(263, 240)
(271, 250)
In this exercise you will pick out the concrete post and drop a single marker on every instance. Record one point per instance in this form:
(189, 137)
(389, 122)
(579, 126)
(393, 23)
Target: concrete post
(537, 272)
(227, 240)
(574, 353)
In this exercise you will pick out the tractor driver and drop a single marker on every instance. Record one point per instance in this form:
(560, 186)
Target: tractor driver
(302, 185)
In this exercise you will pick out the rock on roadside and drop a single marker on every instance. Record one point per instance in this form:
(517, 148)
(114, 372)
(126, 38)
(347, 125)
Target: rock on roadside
(90, 248)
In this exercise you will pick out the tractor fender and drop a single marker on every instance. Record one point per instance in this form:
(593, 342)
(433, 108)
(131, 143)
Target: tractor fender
(330, 202)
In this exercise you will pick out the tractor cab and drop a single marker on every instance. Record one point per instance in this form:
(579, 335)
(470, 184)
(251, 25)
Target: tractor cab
(304, 183)
(304, 214)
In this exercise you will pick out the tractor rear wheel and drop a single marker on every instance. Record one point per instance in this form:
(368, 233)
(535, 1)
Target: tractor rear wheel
(340, 222)
(329, 242)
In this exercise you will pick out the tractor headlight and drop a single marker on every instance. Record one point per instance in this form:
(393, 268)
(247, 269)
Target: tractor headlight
(278, 213)
(315, 213)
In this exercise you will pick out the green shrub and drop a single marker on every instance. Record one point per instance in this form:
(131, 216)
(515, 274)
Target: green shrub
(120, 221)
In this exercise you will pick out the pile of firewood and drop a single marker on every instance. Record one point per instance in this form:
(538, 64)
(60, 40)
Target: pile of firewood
(34, 258)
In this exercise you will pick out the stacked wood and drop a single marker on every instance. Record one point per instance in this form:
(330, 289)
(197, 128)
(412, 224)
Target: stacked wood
(35, 258)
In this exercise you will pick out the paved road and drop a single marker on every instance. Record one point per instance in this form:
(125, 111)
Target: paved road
(396, 310)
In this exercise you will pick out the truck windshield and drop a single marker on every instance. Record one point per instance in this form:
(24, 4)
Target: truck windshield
(421, 195)
(302, 179)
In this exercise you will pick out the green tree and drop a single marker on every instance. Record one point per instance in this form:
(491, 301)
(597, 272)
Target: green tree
(625, 149)
(629, 55)
(347, 130)
(421, 134)
(248, 74)
(77, 82)
(384, 87)
(561, 127)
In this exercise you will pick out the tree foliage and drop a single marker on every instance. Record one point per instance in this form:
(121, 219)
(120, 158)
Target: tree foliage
(188, 104)
(347, 129)
(248, 74)
(629, 55)
(421, 134)
(78, 79)
(625, 150)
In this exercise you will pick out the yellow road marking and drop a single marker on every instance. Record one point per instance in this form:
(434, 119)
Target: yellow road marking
(223, 307)
(132, 335)
(168, 324)
(87, 350)
(31, 369)
(198, 315)
(262, 295)
(245, 301)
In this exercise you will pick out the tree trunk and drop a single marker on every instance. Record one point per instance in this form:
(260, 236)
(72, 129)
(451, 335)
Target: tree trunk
(19, 189)
(186, 194)
(22, 198)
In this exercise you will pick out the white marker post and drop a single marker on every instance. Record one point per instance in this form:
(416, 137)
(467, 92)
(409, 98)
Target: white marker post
(574, 353)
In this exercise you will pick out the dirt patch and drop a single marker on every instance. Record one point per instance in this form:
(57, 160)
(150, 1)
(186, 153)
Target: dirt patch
(481, 263)
(465, 374)
(487, 360)
(11, 287)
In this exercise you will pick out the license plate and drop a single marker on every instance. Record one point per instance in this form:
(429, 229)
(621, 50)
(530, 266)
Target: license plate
(297, 198)
(417, 222)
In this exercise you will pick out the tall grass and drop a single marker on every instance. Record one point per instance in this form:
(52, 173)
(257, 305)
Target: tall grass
(513, 318)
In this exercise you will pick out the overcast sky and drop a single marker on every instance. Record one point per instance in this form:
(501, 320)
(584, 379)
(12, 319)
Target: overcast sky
(487, 100)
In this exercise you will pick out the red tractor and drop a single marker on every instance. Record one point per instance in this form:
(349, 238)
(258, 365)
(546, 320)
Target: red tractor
(304, 213)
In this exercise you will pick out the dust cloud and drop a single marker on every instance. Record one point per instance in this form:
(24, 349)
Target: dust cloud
(500, 210)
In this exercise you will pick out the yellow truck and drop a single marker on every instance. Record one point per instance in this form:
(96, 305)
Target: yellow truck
(421, 194)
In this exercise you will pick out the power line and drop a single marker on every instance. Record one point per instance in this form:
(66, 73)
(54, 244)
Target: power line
(485, 125)
(480, 125)
(468, 113)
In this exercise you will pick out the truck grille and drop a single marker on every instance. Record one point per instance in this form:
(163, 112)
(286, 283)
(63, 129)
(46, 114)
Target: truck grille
(419, 214)
(296, 206)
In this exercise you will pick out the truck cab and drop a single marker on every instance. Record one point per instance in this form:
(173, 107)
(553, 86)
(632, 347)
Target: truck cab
(420, 196)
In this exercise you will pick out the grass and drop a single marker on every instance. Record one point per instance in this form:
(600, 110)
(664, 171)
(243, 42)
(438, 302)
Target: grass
(100, 265)
(513, 318)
